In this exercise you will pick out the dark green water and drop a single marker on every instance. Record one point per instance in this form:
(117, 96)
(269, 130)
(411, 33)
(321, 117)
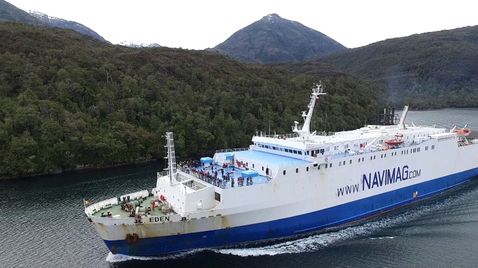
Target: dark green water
(43, 225)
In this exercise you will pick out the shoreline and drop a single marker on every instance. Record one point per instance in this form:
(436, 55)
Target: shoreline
(78, 169)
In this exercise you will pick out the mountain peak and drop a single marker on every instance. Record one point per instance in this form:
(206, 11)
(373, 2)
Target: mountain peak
(10, 13)
(274, 39)
(272, 17)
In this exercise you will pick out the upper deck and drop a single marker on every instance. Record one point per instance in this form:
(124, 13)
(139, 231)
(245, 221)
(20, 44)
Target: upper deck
(244, 168)
(366, 139)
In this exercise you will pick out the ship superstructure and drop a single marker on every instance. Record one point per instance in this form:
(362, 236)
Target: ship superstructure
(285, 185)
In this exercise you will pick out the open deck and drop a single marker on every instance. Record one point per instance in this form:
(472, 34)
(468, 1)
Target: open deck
(126, 209)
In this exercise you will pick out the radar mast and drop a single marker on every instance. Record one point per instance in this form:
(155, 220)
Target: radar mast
(304, 131)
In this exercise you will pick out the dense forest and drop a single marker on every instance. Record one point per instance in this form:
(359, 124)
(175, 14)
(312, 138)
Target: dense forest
(68, 101)
(430, 70)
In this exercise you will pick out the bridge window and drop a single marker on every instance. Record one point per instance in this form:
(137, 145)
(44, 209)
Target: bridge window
(307, 169)
(433, 147)
(296, 170)
(350, 161)
(217, 196)
(426, 148)
(283, 172)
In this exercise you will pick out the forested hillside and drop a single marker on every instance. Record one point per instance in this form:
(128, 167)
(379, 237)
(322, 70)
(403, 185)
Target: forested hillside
(69, 101)
(430, 70)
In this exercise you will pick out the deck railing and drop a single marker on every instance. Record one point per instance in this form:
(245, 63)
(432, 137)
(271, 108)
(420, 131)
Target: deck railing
(232, 150)
(292, 135)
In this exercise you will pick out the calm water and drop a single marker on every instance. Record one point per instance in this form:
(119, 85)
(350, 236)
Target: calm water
(43, 225)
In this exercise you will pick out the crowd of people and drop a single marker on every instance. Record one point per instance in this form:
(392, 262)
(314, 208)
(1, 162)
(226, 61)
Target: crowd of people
(220, 176)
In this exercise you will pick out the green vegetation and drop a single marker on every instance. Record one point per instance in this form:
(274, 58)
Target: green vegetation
(68, 101)
(430, 70)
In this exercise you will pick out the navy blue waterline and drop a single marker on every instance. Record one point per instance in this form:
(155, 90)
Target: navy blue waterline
(310, 222)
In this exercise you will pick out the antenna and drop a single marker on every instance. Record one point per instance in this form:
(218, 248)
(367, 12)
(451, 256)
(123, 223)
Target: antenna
(304, 132)
(171, 157)
(401, 123)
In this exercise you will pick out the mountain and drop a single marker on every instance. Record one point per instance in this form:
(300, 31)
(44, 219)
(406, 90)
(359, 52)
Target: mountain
(274, 39)
(138, 44)
(429, 70)
(69, 101)
(65, 24)
(10, 13)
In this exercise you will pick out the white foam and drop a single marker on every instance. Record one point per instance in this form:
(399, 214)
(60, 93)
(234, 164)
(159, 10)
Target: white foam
(112, 258)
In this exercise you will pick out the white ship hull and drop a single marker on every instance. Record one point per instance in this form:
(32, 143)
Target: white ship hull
(294, 185)
(304, 202)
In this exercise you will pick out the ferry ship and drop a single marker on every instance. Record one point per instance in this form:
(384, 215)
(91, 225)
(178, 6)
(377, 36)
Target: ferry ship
(283, 186)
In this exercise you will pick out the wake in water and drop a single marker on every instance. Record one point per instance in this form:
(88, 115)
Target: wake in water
(319, 241)
(316, 242)
(121, 258)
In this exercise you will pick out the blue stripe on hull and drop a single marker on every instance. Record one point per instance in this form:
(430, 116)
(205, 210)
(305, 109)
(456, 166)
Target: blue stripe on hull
(305, 223)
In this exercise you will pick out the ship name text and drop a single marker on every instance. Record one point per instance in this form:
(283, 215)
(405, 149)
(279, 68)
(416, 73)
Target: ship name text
(159, 219)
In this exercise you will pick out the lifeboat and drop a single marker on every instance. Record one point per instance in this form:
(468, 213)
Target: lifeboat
(395, 142)
(463, 131)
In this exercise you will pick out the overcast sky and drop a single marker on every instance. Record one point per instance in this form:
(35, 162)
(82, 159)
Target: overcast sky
(205, 23)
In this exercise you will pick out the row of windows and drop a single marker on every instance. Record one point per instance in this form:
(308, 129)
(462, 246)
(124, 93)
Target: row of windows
(280, 149)
(296, 170)
(373, 157)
